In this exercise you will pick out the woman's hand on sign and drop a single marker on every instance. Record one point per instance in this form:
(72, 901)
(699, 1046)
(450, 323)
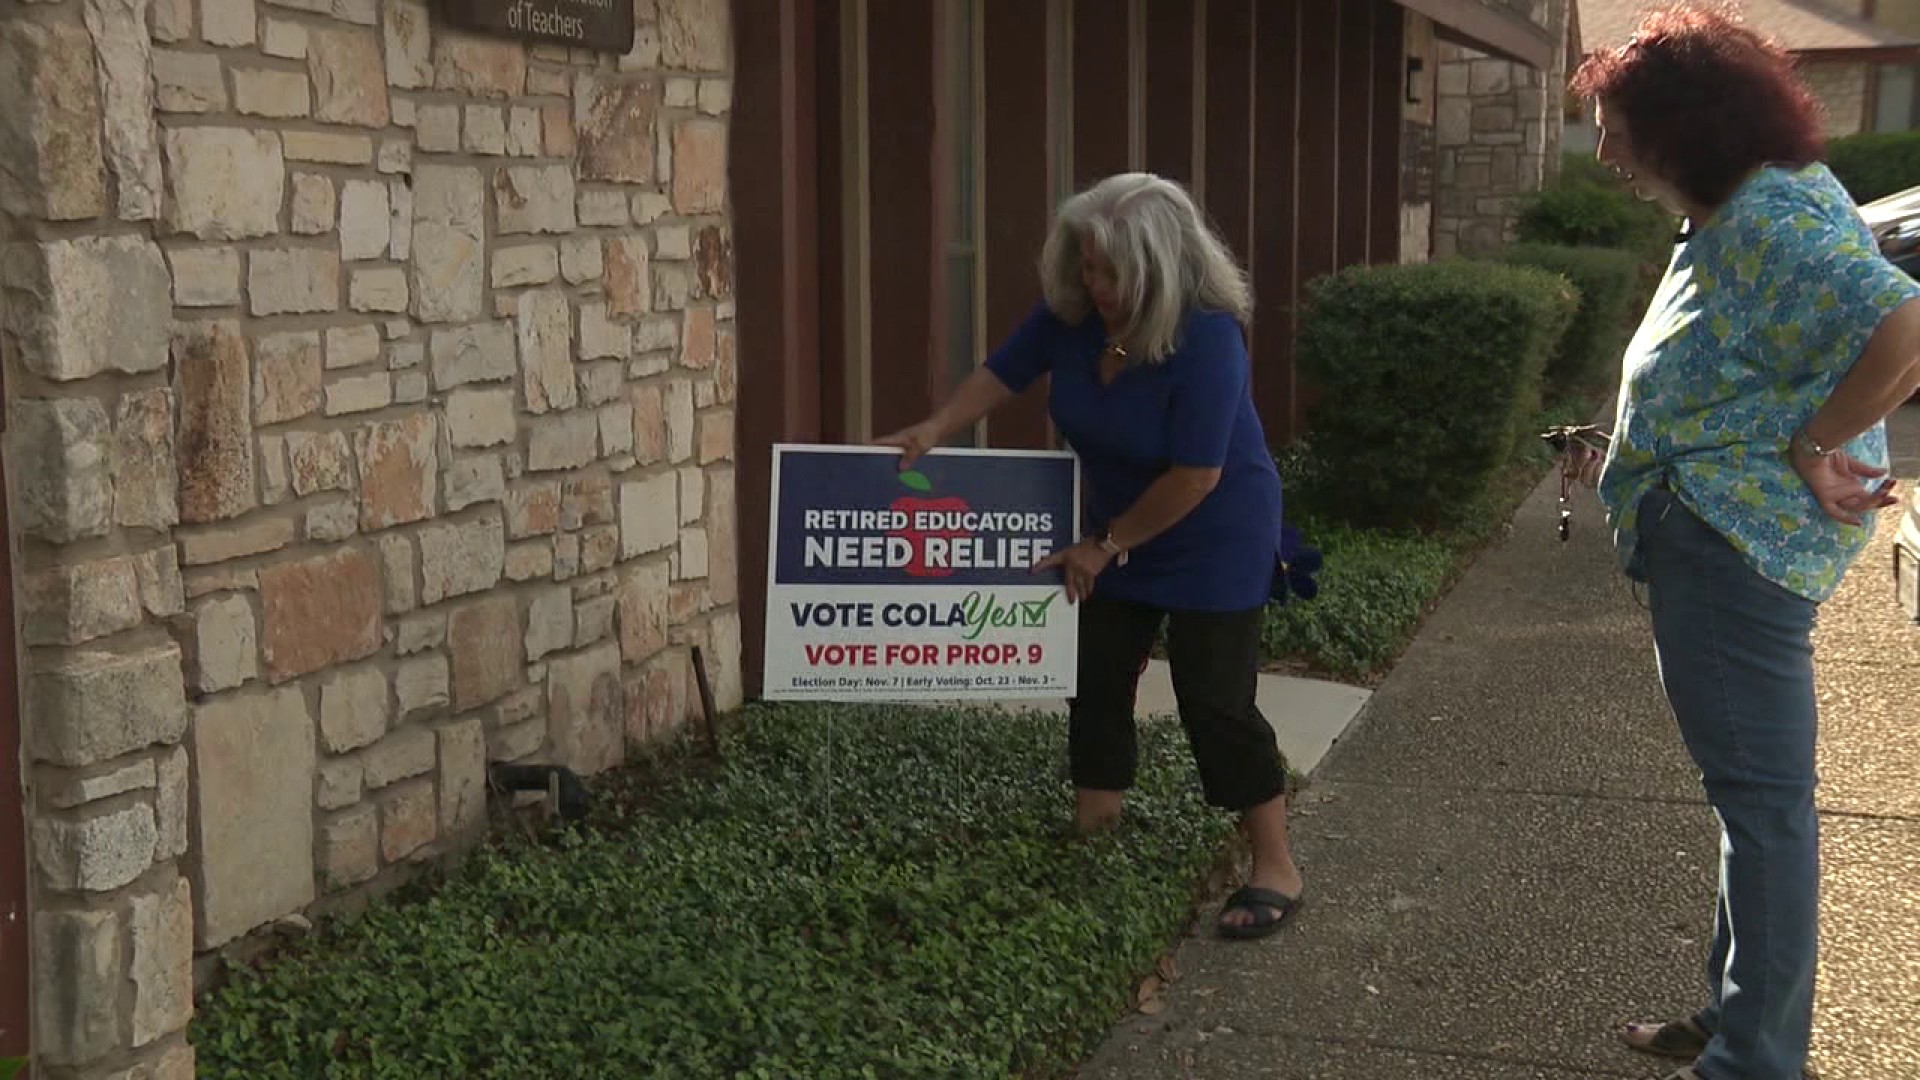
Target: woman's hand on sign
(913, 441)
(1079, 565)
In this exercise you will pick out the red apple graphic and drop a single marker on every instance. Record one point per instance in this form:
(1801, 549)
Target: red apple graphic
(910, 505)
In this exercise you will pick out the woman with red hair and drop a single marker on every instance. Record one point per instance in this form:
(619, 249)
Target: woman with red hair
(1747, 460)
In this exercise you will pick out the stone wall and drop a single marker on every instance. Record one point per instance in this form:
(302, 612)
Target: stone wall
(1418, 153)
(1499, 126)
(370, 392)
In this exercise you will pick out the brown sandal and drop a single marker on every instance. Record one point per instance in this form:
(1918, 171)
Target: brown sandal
(1683, 1039)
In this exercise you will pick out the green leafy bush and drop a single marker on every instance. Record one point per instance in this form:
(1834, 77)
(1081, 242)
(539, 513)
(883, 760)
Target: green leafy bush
(1425, 372)
(1373, 592)
(1875, 165)
(1586, 206)
(1607, 281)
(857, 893)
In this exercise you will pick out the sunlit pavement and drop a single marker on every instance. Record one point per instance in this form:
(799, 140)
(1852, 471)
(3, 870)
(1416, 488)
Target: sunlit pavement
(1508, 854)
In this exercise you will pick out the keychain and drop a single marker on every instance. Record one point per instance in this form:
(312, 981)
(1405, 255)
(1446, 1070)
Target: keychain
(1563, 440)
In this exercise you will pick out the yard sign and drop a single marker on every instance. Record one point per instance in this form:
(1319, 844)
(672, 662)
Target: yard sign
(917, 585)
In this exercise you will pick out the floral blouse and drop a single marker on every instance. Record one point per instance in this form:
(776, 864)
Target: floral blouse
(1761, 313)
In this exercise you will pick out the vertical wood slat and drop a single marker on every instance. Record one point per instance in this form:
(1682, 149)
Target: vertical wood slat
(1324, 198)
(1229, 179)
(1389, 98)
(1015, 174)
(1169, 88)
(906, 81)
(1321, 115)
(1276, 202)
(1102, 89)
(834, 180)
(1355, 82)
(773, 136)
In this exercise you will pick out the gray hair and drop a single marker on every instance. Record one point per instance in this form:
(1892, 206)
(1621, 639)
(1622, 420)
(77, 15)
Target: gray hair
(1166, 259)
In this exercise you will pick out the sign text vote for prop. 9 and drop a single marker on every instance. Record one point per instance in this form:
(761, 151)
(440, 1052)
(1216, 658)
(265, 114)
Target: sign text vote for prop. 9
(891, 585)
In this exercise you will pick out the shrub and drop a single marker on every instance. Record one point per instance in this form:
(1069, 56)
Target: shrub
(1873, 166)
(1373, 592)
(858, 892)
(1425, 372)
(1607, 281)
(1586, 206)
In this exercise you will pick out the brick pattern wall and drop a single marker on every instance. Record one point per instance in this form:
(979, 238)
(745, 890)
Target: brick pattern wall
(1499, 126)
(1842, 90)
(370, 393)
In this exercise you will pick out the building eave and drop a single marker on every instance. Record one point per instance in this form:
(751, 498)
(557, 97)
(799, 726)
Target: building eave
(1475, 25)
(1884, 54)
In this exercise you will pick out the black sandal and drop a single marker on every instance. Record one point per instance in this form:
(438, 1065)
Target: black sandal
(1684, 1039)
(1252, 898)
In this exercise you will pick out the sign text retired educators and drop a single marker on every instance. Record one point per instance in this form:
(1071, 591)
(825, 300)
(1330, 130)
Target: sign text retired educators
(891, 585)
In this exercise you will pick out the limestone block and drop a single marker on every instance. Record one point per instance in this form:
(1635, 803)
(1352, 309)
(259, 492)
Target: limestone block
(50, 130)
(77, 1006)
(458, 558)
(215, 446)
(320, 612)
(484, 639)
(586, 708)
(123, 56)
(162, 962)
(399, 475)
(448, 244)
(98, 705)
(224, 183)
(65, 487)
(55, 292)
(253, 757)
(95, 850)
(649, 515)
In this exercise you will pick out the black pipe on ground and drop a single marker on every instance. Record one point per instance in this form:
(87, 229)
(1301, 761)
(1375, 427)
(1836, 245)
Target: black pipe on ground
(573, 801)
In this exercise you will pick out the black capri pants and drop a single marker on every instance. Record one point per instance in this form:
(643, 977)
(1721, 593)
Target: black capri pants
(1215, 662)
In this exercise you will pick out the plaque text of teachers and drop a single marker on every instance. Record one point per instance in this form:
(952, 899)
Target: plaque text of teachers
(598, 25)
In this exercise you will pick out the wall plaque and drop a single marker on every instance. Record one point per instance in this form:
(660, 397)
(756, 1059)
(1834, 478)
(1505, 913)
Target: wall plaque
(1417, 155)
(599, 25)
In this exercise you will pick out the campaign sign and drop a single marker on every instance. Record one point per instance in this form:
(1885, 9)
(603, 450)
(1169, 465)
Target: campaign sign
(918, 585)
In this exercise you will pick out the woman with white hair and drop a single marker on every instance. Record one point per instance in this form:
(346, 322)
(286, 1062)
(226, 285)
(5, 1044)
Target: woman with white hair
(1142, 331)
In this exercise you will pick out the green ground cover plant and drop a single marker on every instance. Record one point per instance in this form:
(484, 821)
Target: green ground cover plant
(856, 893)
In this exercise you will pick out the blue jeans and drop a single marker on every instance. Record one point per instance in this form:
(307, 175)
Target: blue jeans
(1736, 659)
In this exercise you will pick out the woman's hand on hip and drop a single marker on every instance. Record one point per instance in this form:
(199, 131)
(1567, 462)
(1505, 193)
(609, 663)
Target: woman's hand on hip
(912, 441)
(1079, 565)
(1843, 485)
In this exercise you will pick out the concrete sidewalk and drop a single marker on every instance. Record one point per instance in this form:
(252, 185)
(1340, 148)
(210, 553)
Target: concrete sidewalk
(1508, 855)
(1308, 715)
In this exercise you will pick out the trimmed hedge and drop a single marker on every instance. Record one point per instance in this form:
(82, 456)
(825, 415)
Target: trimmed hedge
(1425, 372)
(1875, 165)
(1586, 206)
(1607, 281)
(857, 893)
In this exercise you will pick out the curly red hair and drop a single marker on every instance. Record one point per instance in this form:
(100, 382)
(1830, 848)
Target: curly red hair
(1706, 100)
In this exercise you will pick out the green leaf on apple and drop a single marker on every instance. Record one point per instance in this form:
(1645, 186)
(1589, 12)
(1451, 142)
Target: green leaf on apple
(916, 480)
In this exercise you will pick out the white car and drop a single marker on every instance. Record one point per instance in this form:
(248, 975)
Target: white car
(1895, 221)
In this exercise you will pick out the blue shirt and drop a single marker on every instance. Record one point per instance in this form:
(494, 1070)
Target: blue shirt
(1194, 409)
(1760, 315)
